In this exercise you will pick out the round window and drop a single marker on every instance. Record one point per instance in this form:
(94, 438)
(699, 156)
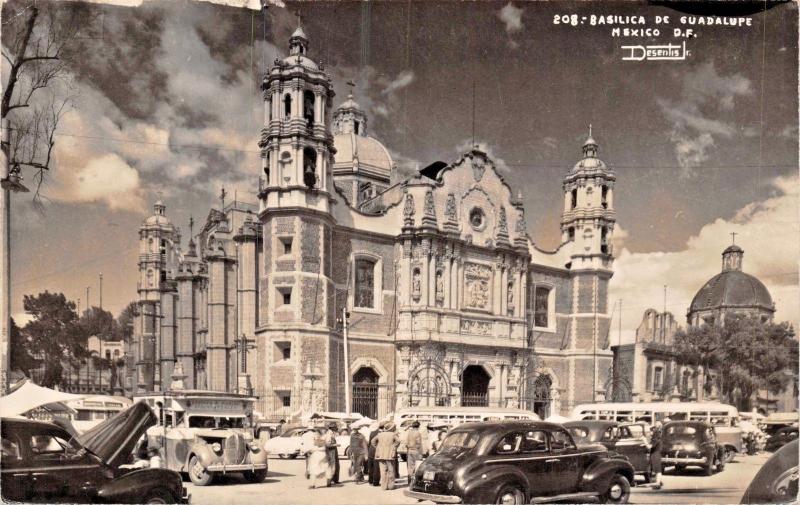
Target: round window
(477, 219)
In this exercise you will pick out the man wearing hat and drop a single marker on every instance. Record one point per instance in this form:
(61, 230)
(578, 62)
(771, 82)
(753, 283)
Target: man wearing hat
(373, 472)
(414, 445)
(385, 444)
(331, 448)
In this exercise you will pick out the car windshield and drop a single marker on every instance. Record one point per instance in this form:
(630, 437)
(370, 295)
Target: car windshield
(216, 422)
(294, 432)
(579, 432)
(681, 430)
(460, 440)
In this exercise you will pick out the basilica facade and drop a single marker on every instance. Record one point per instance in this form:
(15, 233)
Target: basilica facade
(341, 282)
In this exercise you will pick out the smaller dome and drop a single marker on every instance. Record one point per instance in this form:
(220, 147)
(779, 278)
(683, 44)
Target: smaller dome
(158, 218)
(349, 104)
(733, 249)
(589, 142)
(302, 60)
(299, 33)
(590, 163)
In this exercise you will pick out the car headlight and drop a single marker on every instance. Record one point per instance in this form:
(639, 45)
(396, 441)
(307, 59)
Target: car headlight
(216, 447)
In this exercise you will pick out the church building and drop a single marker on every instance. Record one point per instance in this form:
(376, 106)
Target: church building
(343, 282)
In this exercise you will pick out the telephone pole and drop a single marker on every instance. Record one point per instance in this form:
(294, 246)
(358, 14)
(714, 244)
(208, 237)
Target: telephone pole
(348, 405)
(88, 305)
(101, 290)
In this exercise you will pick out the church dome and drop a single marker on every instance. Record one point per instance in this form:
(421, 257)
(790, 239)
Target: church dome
(730, 289)
(367, 152)
(590, 161)
(158, 219)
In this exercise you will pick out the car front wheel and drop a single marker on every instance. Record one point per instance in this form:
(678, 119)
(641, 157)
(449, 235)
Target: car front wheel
(619, 490)
(197, 474)
(510, 495)
(158, 495)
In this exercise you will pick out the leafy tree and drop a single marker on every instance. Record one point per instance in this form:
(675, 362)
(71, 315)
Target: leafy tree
(53, 333)
(745, 353)
(125, 321)
(21, 357)
(98, 322)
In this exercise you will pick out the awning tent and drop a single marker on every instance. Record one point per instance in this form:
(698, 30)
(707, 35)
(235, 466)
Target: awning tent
(30, 396)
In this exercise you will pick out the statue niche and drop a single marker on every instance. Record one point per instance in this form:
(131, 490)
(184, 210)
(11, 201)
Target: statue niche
(476, 282)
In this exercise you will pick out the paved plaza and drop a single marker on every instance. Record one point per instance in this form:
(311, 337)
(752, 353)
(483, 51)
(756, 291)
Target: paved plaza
(287, 485)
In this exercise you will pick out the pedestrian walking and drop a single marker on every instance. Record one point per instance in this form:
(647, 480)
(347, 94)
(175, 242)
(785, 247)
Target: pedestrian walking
(319, 468)
(373, 474)
(414, 449)
(332, 450)
(655, 454)
(358, 453)
(385, 444)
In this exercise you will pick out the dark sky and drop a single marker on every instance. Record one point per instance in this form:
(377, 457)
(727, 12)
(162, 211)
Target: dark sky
(169, 102)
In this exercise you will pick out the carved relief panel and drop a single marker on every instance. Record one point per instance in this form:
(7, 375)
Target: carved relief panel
(477, 281)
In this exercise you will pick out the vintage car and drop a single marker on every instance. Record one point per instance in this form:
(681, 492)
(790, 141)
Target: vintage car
(206, 433)
(289, 444)
(514, 462)
(780, 438)
(626, 439)
(691, 443)
(776, 481)
(42, 462)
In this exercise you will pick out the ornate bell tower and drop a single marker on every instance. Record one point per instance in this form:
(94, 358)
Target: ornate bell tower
(296, 293)
(588, 217)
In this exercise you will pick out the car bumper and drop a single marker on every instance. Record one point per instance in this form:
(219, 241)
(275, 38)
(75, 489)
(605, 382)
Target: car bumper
(236, 468)
(683, 461)
(436, 498)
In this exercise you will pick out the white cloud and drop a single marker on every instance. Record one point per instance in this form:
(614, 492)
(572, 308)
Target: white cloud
(402, 80)
(699, 115)
(512, 17)
(108, 179)
(768, 231)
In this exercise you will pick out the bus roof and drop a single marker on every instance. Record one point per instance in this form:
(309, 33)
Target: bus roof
(194, 393)
(659, 406)
(462, 410)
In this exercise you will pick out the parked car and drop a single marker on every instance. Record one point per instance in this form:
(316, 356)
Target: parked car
(628, 440)
(780, 438)
(289, 445)
(691, 443)
(206, 433)
(42, 462)
(514, 462)
(776, 481)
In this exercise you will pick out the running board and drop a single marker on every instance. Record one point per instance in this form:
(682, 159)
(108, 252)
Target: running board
(563, 497)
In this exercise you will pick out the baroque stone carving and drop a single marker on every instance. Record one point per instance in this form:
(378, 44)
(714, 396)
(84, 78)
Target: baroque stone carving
(439, 288)
(476, 327)
(450, 208)
(408, 209)
(478, 168)
(416, 285)
(476, 283)
(521, 228)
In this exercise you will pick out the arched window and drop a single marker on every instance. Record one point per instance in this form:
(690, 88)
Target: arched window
(356, 126)
(287, 105)
(542, 395)
(151, 245)
(364, 289)
(571, 233)
(364, 192)
(266, 167)
(150, 278)
(574, 198)
(308, 107)
(604, 197)
(108, 354)
(309, 167)
(604, 240)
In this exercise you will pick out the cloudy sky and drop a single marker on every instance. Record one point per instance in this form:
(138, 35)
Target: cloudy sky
(168, 102)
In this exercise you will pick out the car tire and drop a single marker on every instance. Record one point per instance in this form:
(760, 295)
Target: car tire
(158, 495)
(197, 474)
(618, 491)
(730, 454)
(510, 495)
(255, 476)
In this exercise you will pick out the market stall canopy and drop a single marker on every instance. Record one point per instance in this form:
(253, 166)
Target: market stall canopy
(30, 396)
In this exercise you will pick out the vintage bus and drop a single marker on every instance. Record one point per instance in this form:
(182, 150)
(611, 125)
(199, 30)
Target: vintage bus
(453, 416)
(724, 418)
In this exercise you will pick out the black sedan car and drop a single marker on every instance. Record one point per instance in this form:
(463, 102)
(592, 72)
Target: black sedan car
(41, 462)
(691, 443)
(776, 482)
(515, 462)
(780, 438)
(616, 437)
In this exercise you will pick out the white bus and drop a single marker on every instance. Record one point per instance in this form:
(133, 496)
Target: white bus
(453, 416)
(724, 418)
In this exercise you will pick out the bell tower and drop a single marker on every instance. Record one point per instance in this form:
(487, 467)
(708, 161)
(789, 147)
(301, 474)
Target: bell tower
(295, 322)
(588, 217)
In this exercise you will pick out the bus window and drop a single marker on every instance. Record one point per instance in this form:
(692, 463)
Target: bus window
(624, 416)
(698, 416)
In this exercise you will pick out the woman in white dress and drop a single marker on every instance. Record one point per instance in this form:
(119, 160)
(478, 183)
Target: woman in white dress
(319, 468)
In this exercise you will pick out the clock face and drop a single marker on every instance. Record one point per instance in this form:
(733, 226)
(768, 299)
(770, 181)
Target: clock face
(477, 219)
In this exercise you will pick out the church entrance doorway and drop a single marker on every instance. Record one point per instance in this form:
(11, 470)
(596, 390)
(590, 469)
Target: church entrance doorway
(475, 387)
(365, 392)
(542, 391)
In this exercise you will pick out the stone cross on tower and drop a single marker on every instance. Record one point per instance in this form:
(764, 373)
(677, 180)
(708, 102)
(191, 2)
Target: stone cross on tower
(733, 237)
(222, 195)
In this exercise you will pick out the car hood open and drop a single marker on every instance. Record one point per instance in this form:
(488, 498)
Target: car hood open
(113, 440)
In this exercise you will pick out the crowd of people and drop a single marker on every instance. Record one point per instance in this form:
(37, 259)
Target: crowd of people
(373, 453)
